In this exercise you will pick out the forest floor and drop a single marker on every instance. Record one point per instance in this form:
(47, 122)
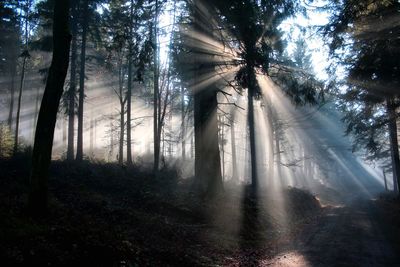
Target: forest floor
(106, 215)
(361, 232)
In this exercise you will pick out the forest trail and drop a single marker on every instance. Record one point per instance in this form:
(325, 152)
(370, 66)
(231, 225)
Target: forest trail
(345, 235)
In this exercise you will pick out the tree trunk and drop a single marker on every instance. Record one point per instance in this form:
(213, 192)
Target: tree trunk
(41, 156)
(250, 121)
(64, 133)
(384, 179)
(121, 114)
(129, 95)
(72, 83)
(208, 178)
(111, 151)
(233, 148)
(25, 55)
(394, 145)
(207, 157)
(12, 92)
(121, 135)
(155, 97)
(222, 122)
(91, 134)
(183, 130)
(79, 146)
(37, 101)
(16, 135)
(128, 115)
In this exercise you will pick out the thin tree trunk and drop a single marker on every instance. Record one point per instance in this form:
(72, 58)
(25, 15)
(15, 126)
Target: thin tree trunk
(16, 135)
(128, 115)
(91, 135)
(129, 95)
(37, 100)
(192, 146)
(222, 121)
(25, 54)
(394, 145)
(72, 85)
(48, 110)
(384, 179)
(111, 152)
(233, 148)
(79, 146)
(183, 130)
(64, 133)
(121, 135)
(155, 97)
(12, 92)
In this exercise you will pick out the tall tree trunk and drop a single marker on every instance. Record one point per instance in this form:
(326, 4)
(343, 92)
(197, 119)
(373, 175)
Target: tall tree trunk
(121, 114)
(192, 146)
(156, 93)
(25, 55)
(250, 122)
(64, 132)
(16, 134)
(128, 114)
(79, 146)
(48, 110)
(208, 178)
(72, 83)
(111, 151)
(384, 179)
(233, 148)
(91, 134)
(222, 121)
(35, 115)
(12, 92)
(121, 135)
(394, 145)
(129, 93)
(207, 156)
(183, 130)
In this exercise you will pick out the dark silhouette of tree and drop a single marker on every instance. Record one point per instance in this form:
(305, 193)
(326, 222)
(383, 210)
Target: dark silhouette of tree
(254, 26)
(71, 106)
(42, 148)
(365, 30)
(85, 21)
(9, 48)
(24, 55)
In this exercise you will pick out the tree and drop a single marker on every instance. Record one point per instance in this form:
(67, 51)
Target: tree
(9, 48)
(208, 177)
(156, 71)
(72, 82)
(25, 55)
(41, 155)
(85, 22)
(254, 27)
(371, 59)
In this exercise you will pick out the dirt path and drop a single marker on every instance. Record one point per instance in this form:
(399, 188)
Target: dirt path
(349, 235)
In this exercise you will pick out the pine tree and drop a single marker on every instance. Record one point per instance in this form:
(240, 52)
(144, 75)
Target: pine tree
(373, 71)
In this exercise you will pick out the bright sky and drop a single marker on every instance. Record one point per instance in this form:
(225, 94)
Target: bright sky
(318, 50)
(292, 28)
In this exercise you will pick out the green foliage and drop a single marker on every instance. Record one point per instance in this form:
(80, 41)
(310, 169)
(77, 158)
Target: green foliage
(255, 26)
(364, 40)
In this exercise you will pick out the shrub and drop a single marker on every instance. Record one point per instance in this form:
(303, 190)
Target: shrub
(6, 141)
